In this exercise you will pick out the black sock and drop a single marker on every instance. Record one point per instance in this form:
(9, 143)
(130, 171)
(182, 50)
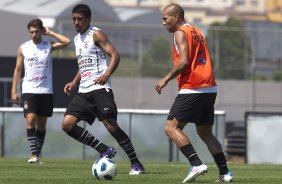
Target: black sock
(189, 152)
(125, 142)
(84, 136)
(220, 161)
(32, 140)
(40, 140)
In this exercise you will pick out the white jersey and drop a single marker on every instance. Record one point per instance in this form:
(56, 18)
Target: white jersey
(38, 67)
(92, 61)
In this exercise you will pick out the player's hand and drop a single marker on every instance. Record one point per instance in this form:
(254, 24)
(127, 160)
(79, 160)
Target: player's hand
(46, 31)
(101, 80)
(15, 98)
(161, 84)
(68, 88)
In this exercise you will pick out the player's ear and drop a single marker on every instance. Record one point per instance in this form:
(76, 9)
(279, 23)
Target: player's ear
(44, 30)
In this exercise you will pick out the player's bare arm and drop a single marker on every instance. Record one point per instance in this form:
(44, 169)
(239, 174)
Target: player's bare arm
(72, 85)
(181, 41)
(101, 40)
(16, 76)
(62, 42)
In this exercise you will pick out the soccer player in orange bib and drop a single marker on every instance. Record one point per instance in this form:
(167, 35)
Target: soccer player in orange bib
(197, 93)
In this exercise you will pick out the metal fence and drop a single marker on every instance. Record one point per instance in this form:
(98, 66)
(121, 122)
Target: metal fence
(247, 63)
(6, 83)
(263, 133)
(253, 51)
(144, 127)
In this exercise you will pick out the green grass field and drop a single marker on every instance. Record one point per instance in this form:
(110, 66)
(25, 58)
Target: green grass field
(52, 171)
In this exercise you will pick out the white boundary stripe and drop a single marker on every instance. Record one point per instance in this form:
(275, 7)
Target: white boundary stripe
(135, 111)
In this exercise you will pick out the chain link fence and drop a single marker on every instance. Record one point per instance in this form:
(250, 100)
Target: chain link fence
(244, 53)
(247, 65)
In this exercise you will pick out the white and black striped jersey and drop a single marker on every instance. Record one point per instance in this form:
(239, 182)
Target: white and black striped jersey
(38, 67)
(92, 61)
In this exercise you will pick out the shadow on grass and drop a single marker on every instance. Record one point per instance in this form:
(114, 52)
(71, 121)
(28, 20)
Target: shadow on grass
(146, 173)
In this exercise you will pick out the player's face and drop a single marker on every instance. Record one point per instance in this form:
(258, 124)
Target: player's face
(35, 34)
(80, 22)
(169, 21)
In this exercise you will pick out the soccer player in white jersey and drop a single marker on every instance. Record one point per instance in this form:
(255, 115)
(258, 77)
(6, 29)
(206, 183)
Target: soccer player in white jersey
(37, 88)
(95, 98)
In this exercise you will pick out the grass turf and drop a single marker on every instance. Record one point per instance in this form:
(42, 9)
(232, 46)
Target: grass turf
(52, 171)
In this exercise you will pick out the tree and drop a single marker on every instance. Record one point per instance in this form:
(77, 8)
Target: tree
(277, 75)
(230, 48)
(156, 61)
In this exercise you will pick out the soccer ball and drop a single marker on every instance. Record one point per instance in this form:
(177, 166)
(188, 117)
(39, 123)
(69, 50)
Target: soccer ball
(104, 169)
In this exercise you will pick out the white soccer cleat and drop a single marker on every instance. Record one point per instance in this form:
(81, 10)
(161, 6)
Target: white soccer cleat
(194, 172)
(225, 178)
(34, 160)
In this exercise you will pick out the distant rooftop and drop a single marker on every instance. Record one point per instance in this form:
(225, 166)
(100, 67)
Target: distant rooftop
(41, 8)
(50, 10)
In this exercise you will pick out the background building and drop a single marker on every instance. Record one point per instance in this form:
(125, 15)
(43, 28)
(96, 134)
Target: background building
(205, 12)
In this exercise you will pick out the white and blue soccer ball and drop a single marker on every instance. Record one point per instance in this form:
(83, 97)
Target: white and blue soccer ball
(104, 169)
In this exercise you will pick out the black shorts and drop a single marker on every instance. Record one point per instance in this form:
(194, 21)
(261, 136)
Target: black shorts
(98, 103)
(195, 108)
(40, 104)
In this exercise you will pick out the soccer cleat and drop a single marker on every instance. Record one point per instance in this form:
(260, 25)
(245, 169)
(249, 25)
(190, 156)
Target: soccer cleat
(110, 153)
(34, 160)
(136, 169)
(194, 172)
(225, 178)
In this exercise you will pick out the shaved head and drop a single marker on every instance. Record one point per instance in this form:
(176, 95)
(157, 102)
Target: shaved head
(174, 9)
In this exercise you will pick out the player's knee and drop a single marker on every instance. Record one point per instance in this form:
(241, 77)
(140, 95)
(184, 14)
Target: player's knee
(111, 126)
(69, 122)
(169, 130)
(66, 126)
